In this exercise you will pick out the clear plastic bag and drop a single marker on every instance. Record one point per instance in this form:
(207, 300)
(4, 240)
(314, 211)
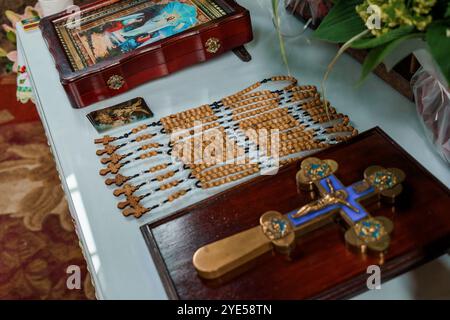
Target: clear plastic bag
(433, 106)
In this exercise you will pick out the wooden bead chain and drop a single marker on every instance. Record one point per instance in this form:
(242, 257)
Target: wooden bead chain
(114, 168)
(189, 116)
(119, 179)
(273, 98)
(129, 189)
(264, 111)
(106, 140)
(223, 171)
(231, 100)
(110, 149)
(138, 211)
(116, 158)
(290, 79)
(228, 179)
(188, 123)
(341, 127)
(197, 151)
(251, 110)
(253, 100)
(132, 200)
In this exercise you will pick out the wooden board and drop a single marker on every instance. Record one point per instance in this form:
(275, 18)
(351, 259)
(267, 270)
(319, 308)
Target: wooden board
(324, 267)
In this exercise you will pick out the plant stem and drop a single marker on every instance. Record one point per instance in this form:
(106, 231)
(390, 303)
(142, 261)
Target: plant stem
(276, 18)
(335, 59)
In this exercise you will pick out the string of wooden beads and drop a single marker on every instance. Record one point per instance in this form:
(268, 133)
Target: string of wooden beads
(304, 88)
(170, 185)
(233, 99)
(119, 179)
(229, 179)
(223, 171)
(251, 101)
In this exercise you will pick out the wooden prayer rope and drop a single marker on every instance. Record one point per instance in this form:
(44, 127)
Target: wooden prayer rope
(132, 200)
(114, 168)
(108, 139)
(135, 201)
(116, 158)
(138, 211)
(129, 190)
(228, 179)
(226, 169)
(110, 149)
(274, 98)
(119, 179)
(293, 111)
(198, 152)
(220, 172)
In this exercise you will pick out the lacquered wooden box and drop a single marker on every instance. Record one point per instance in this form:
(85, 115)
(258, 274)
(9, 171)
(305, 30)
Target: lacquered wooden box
(109, 47)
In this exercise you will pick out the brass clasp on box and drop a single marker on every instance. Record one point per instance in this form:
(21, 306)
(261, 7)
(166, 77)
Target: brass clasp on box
(115, 82)
(212, 45)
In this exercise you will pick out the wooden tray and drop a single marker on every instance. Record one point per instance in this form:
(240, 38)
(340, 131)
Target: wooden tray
(118, 46)
(324, 268)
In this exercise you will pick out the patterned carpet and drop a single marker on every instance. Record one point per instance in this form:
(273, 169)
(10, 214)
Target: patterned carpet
(37, 238)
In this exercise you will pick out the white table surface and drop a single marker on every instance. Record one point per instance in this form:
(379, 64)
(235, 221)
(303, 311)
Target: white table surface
(117, 256)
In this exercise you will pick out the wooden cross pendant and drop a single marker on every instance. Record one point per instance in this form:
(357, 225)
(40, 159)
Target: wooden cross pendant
(105, 140)
(114, 158)
(279, 232)
(132, 201)
(111, 168)
(128, 190)
(118, 180)
(109, 149)
(136, 211)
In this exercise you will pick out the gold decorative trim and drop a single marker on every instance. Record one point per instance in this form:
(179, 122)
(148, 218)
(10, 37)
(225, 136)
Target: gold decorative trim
(115, 82)
(212, 45)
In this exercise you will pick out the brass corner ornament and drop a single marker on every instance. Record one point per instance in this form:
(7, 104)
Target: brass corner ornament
(365, 233)
(212, 45)
(115, 82)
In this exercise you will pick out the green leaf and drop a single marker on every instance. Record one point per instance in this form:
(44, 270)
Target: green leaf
(439, 44)
(377, 55)
(11, 36)
(372, 42)
(342, 23)
(447, 13)
(9, 67)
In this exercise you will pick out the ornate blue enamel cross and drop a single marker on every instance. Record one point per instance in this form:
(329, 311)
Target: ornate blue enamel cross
(349, 205)
(279, 232)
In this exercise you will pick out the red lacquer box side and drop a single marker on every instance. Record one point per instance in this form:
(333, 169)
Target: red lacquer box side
(111, 77)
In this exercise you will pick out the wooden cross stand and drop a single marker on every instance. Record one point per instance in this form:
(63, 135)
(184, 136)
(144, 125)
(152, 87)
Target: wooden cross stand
(279, 232)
